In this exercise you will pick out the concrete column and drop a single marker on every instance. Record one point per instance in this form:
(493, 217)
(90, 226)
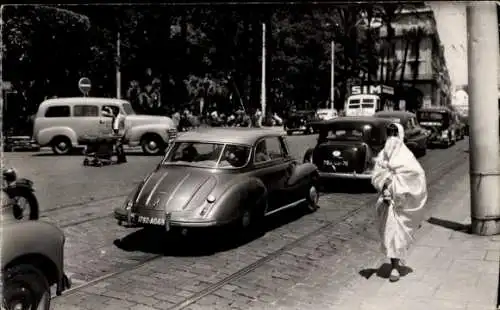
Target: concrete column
(484, 139)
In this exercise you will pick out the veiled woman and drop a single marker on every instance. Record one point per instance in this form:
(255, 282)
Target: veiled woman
(401, 183)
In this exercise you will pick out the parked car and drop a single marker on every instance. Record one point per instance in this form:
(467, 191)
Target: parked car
(346, 146)
(300, 121)
(415, 135)
(62, 123)
(460, 126)
(327, 114)
(439, 121)
(219, 176)
(32, 262)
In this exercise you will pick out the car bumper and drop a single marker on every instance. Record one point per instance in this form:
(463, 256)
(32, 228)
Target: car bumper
(352, 175)
(132, 221)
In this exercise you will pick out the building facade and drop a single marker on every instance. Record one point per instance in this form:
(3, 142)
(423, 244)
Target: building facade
(418, 56)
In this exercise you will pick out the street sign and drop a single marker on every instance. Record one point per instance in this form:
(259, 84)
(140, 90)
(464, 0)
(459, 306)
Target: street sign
(84, 85)
(372, 89)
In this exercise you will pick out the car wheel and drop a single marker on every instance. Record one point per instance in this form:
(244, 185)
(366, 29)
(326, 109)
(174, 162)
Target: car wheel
(25, 205)
(61, 145)
(312, 198)
(25, 287)
(152, 145)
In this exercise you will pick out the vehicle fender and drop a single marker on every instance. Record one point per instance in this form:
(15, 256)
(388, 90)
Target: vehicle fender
(24, 183)
(135, 133)
(308, 156)
(301, 172)
(44, 137)
(25, 239)
(243, 193)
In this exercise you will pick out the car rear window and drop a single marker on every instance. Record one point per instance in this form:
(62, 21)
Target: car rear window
(58, 111)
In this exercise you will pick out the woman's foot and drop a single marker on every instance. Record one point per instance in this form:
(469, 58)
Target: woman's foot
(394, 277)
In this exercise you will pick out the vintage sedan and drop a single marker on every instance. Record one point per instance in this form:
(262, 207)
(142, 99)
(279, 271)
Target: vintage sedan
(219, 176)
(300, 121)
(32, 262)
(415, 136)
(439, 121)
(346, 146)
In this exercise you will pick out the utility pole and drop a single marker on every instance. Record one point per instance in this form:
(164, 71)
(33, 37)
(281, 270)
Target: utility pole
(118, 69)
(482, 28)
(263, 79)
(332, 75)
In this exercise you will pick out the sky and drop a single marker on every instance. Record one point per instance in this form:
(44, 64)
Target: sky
(452, 28)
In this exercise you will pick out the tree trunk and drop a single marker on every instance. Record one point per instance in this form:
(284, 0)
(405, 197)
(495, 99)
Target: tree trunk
(416, 69)
(405, 59)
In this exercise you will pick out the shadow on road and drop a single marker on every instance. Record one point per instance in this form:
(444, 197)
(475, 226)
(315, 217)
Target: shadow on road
(347, 186)
(450, 225)
(201, 242)
(79, 152)
(384, 271)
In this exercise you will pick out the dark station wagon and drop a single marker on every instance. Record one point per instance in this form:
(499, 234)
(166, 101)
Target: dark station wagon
(300, 121)
(415, 135)
(346, 146)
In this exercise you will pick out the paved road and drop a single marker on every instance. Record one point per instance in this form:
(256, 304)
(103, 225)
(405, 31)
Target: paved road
(139, 273)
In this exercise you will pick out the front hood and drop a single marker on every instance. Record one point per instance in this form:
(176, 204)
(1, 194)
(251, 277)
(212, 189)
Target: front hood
(138, 120)
(176, 189)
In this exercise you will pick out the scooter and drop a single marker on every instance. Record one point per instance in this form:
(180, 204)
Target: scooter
(20, 194)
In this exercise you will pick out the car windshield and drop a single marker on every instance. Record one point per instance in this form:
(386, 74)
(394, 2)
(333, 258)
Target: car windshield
(431, 116)
(127, 107)
(207, 155)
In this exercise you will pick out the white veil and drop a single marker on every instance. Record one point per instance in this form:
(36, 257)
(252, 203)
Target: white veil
(397, 167)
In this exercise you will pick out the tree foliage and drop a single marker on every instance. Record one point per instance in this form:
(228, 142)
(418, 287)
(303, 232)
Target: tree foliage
(208, 51)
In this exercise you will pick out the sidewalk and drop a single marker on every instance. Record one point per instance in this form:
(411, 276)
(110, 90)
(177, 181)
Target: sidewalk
(448, 268)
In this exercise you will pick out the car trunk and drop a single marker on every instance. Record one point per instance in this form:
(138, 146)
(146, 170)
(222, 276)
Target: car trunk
(340, 156)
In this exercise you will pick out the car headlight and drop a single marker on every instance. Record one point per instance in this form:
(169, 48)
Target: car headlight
(128, 204)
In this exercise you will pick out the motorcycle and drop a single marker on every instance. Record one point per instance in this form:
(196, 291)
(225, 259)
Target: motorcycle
(20, 196)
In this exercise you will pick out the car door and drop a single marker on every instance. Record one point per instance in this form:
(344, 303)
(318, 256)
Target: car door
(107, 122)
(272, 168)
(86, 120)
(420, 136)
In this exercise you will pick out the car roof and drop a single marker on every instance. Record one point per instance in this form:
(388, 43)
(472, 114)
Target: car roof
(395, 114)
(435, 109)
(241, 135)
(90, 100)
(357, 119)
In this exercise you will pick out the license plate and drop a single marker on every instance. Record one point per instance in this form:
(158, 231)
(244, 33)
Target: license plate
(151, 220)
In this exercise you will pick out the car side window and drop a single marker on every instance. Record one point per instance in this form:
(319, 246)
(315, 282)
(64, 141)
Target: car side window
(268, 149)
(113, 108)
(284, 146)
(58, 111)
(85, 110)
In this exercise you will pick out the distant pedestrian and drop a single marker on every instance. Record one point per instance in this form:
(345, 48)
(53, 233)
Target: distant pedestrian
(401, 183)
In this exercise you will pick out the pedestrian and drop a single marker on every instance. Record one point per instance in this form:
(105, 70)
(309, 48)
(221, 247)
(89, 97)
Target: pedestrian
(401, 183)
(119, 131)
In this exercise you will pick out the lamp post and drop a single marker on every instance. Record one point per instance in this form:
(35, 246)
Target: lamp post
(332, 75)
(482, 26)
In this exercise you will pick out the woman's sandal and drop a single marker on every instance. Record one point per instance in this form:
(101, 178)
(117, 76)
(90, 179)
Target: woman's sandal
(394, 277)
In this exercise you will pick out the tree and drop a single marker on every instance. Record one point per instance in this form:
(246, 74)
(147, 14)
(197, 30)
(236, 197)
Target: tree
(44, 49)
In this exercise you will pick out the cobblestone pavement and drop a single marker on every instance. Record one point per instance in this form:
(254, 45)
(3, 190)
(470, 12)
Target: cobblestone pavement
(174, 276)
